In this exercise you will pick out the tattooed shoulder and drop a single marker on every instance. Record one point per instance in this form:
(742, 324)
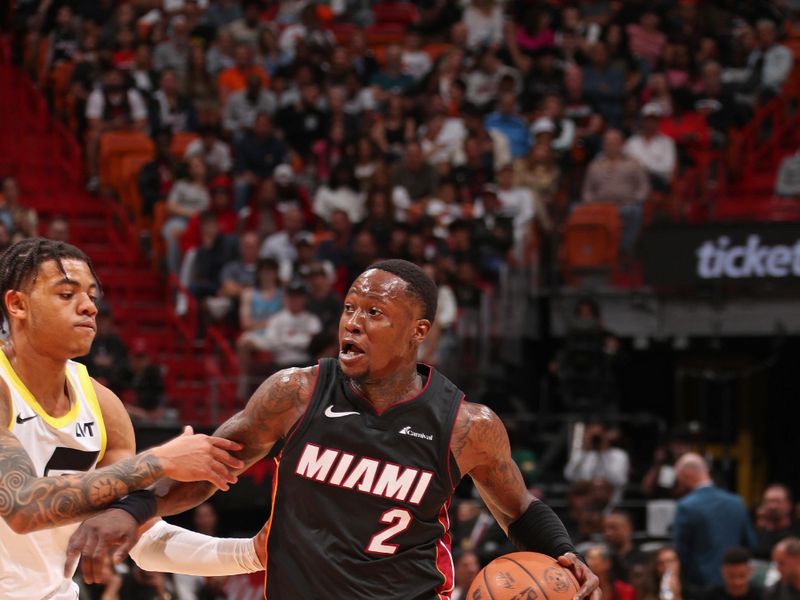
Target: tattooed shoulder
(477, 432)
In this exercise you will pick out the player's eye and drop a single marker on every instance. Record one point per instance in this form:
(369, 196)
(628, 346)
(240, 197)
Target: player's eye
(374, 312)
(348, 308)
(66, 295)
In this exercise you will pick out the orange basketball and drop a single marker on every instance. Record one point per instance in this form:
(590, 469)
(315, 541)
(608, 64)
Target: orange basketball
(523, 576)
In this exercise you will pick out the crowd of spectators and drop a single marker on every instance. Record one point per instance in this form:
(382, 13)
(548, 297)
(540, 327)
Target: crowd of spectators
(460, 140)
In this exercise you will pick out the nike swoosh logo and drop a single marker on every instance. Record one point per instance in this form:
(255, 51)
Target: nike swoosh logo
(20, 420)
(329, 413)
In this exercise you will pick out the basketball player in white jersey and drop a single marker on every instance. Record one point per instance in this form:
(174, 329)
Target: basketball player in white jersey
(67, 447)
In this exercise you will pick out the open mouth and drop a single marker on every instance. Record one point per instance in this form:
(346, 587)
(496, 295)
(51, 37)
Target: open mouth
(351, 350)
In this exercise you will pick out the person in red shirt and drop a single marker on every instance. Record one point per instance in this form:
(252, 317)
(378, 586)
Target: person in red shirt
(227, 219)
(688, 128)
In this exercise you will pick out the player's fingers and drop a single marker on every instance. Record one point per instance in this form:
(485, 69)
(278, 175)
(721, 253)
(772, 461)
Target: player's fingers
(100, 560)
(122, 550)
(187, 430)
(74, 552)
(219, 477)
(87, 565)
(226, 459)
(225, 444)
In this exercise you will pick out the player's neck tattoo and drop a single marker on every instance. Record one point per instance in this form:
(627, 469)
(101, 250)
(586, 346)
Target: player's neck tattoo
(391, 390)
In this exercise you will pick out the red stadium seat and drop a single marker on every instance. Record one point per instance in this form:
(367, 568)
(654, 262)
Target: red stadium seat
(591, 237)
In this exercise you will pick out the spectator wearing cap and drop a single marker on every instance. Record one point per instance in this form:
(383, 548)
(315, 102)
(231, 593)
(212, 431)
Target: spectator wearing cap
(653, 150)
(242, 107)
(286, 336)
(187, 198)
(736, 578)
(234, 78)
(614, 178)
(144, 386)
(506, 120)
(215, 152)
(255, 158)
(604, 84)
(173, 52)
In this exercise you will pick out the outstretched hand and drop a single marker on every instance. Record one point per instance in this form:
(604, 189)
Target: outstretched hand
(103, 541)
(590, 584)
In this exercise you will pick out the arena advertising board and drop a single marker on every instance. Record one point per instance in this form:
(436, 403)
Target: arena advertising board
(725, 253)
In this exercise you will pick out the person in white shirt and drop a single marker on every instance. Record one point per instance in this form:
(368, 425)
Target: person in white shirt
(281, 244)
(484, 22)
(215, 152)
(778, 59)
(340, 194)
(416, 62)
(653, 150)
(597, 459)
(516, 202)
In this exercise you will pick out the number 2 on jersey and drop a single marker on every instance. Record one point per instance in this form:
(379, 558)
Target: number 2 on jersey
(398, 520)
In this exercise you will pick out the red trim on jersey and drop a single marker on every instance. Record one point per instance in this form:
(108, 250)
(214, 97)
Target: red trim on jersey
(299, 421)
(380, 413)
(269, 522)
(444, 555)
(450, 444)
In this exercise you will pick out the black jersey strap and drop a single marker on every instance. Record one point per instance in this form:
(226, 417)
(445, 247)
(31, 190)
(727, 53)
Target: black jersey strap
(540, 530)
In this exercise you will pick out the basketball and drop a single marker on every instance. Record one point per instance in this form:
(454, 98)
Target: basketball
(523, 576)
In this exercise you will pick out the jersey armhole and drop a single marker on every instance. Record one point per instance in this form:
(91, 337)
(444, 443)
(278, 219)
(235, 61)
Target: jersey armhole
(452, 463)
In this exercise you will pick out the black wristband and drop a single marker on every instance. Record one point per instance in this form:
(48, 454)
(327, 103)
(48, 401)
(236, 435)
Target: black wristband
(141, 505)
(540, 530)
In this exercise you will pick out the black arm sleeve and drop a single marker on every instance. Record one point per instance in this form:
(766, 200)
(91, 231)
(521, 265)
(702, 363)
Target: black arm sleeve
(540, 530)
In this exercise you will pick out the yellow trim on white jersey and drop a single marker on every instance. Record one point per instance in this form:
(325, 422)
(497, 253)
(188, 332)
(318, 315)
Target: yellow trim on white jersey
(25, 394)
(94, 405)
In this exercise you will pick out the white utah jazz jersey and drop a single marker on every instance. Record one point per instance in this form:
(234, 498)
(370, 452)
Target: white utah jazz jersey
(32, 565)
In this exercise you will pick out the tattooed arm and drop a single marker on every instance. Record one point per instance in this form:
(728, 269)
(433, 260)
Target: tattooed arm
(29, 502)
(480, 446)
(271, 411)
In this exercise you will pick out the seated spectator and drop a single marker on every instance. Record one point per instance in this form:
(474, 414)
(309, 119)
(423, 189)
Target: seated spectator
(58, 229)
(173, 52)
(168, 108)
(64, 40)
(787, 184)
(663, 578)
(322, 301)
(719, 105)
(144, 385)
(308, 32)
(618, 534)
(244, 30)
(331, 151)
(304, 122)
(483, 81)
(206, 261)
(659, 479)
(539, 173)
(234, 78)
(227, 220)
(736, 574)
(598, 557)
(414, 179)
(188, 197)
(273, 57)
(598, 459)
(286, 336)
(391, 78)
(281, 244)
(108, 357)
(614, 178)
(416, 62)
(645, 40)
(657, 91)
(154, 181)
(604, 84)
(236, 276)
(777, 521)
(242, 107)
(201, 87)
(475, 530)
(776, 59)
(111, 107)
(653, 150)
(516, 203)
(15, 216)
(786, 556)
(209, 146)
(484, 23)
(256, 156)
(507, 121)
(442, 138)
(564, 134)
(262, 300)
(688, 128)
(339, 194)
(338, 249)
(220, 56)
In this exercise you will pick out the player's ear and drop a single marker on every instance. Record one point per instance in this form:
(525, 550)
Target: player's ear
(421, 330)
(16, 304)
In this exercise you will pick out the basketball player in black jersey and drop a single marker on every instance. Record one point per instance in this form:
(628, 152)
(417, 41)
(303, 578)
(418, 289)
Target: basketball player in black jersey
(373, 446)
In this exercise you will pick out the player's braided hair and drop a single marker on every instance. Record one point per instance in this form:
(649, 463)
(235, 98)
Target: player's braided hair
(20, 263)
(418, 283)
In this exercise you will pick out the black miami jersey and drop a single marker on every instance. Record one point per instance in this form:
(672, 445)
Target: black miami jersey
(360, 498)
